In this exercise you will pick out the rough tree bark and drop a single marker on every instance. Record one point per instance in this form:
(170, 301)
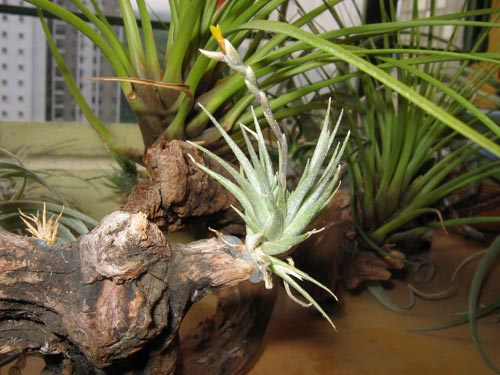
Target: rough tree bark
(177, 194)
(114, 300)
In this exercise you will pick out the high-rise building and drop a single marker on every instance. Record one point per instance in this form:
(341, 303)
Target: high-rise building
(32, 87)
(23, 67)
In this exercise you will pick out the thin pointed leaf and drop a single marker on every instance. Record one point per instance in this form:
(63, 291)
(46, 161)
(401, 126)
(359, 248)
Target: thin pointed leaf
(482, 269)
(464, 318)
(304, 294)
(381, 296)
(242, 159)
(380, 75)
(239, 194)
(305, 276)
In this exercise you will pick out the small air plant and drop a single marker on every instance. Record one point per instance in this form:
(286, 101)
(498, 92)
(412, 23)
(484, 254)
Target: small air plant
(46, 230)
(276, 219)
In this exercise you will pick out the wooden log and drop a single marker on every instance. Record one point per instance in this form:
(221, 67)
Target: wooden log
(113, 301)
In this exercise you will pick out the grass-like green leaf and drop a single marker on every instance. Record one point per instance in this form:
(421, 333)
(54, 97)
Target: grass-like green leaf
(382, 76)
(10, 170)
(285, 271)
(492, 254)
(96, 123)
(378, 292)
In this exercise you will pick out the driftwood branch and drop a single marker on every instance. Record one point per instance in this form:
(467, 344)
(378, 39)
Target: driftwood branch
(178, 194)
(229, 343)
(112, 301)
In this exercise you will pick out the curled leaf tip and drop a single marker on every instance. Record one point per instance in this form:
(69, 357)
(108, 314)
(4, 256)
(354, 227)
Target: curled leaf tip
(217, 34)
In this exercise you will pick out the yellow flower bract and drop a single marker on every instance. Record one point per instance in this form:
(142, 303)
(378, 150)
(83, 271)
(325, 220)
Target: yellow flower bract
(217, 34)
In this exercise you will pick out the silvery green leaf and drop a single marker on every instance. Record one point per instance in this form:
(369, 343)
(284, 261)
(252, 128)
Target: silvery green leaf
(240, 155)
(273, 229)
(262, 180)
(309, 213)
(303, 275)
(310, 175)
(252, 224)
(285, 243)
(240, 195)
(263, 153)
(303, 293)
(252, 198)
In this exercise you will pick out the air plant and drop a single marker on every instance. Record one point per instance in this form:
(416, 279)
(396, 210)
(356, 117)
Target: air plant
(16, 181)
(162, 83)
(276, 219)
(43, 228)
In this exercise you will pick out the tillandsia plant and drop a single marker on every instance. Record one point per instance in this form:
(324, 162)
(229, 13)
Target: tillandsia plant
(400, 68)
(19, 205)
(404, 162)
(42, 228)
(162, 83)
(417, 133)
(276, 219)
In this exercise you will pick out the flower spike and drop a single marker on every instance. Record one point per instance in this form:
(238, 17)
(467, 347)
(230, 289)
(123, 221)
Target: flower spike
(276, 218)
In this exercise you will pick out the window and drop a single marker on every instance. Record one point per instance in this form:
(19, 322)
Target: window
(58, 113)
(20, 83)
(4, 34)
(59, 85)
(20, 98)
(20, 51)
(60, 44)
(4, 98)
(20, 114)
(20, 67)
(21, 35)
(5, 113)
(59, 28)
(4, 49)
(4, 66)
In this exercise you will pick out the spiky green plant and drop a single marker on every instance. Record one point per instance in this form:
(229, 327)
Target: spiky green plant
(162, 83)
(414, 126)
(276, 219)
